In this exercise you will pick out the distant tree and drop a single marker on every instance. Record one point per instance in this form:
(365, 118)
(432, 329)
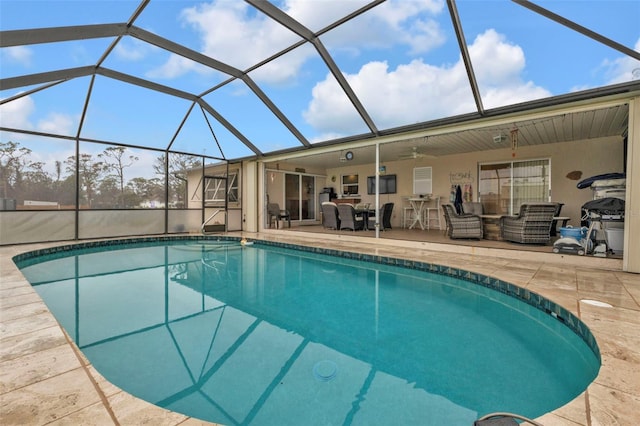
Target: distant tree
(116, 161)
(141, 189)
(179, 166)
(38, 184)
(108, 193)
(155, 189)
(14, 160)
(136, 191)
(66, 191)
(90, 172)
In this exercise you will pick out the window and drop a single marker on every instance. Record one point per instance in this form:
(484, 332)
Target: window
(422, 181)
(215, 186)
(350, 184)
(503, 187)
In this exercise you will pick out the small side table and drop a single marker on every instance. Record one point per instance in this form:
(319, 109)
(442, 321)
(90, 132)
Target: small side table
(491, 226)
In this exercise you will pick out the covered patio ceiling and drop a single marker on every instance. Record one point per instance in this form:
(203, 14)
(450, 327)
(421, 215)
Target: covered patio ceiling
(566, 127)
(238, 80)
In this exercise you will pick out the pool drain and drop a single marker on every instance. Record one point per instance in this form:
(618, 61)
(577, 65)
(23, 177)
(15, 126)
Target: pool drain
(325, 370)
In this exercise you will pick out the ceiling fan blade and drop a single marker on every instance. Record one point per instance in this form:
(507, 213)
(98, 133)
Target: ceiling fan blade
(414, 156)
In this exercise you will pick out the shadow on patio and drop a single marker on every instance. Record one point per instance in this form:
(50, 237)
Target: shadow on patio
(438, 240)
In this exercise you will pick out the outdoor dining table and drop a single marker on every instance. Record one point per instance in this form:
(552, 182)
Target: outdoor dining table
(366, 213)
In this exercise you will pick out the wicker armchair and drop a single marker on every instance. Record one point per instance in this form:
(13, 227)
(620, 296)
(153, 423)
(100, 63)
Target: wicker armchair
(532, 225)
(330, 219)
(349, 219)
(461, 226)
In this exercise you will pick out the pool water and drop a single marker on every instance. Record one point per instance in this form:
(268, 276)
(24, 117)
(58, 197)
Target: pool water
(271, 335)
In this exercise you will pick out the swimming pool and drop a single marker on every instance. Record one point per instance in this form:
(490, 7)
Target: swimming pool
(266, 334)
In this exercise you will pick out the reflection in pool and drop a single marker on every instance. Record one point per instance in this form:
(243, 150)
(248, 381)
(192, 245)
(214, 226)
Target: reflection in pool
(269, 335)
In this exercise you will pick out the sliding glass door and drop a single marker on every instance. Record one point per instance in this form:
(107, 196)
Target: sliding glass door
(295, 192)
(503, 187)
(300, 195)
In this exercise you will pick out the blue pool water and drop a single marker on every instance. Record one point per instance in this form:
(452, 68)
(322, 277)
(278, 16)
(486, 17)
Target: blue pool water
(269, 335)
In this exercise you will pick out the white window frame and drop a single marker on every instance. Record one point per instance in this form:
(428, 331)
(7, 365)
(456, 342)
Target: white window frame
(351, 185)
(422, 180)
(216, 195)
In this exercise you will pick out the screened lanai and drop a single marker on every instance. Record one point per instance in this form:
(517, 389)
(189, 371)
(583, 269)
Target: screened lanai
(127, 117)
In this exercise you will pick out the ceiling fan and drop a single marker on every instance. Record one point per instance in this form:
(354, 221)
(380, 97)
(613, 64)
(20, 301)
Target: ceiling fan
(414, 154)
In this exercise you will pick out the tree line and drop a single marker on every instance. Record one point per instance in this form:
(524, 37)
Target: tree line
(101, 179)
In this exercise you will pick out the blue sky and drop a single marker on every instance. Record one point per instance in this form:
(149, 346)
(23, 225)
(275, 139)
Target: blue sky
(401, 59)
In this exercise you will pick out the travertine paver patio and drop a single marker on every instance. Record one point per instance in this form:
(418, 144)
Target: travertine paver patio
(46, 380)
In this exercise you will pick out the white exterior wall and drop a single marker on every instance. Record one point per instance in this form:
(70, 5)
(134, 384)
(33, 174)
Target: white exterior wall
(250, 196)
(631, 260)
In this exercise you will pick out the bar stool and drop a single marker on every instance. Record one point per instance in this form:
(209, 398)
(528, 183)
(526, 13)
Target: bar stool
(433, 206)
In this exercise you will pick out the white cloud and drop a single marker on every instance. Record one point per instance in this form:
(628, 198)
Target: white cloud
(622, 69)
(405, 22)
(18, 55)
(330, 110)
(175, 67)
(15, 114)
(285, 69)
(131, 49)
(243, 40)
(248, 37)
(18, 114)
(512, 94)
(495, 61)
(418, 91)
(309, 14)
(58, 124)
(393, 24)
(392, 97)
(498, 66)
(427, 35)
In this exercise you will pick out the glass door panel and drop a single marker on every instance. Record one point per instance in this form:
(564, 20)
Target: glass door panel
(292, 195)
(503, 187)
(494, 188)
(308, 207)
(530, 182)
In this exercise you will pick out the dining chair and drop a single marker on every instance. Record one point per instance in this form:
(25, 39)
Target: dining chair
(385, 216)
(274, 211)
